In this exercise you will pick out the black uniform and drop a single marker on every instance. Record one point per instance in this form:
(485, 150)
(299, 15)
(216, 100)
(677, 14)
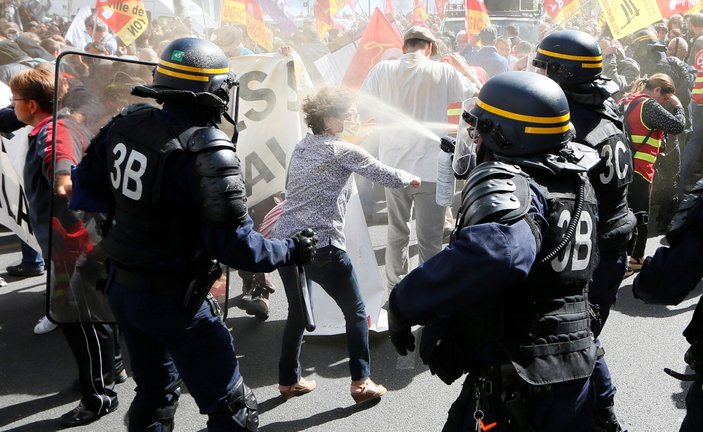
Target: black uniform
(507, 300)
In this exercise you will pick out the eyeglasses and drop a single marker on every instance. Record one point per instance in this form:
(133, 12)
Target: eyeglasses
(351, 115)
(14, 99)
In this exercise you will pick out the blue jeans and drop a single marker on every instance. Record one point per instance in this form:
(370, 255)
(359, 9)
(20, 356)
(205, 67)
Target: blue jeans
(30, 257)
(167, 344)
(332, 270)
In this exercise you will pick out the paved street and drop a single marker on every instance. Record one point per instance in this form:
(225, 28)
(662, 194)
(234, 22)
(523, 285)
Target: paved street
(37, 372)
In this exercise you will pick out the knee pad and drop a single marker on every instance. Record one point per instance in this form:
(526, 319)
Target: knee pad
(240, 408)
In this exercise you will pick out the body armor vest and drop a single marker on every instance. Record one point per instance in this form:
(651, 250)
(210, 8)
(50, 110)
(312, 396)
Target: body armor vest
(600, 129)
(146, 229)
(547, 332)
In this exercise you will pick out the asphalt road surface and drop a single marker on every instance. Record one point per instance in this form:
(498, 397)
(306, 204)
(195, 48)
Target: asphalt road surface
(37, 372)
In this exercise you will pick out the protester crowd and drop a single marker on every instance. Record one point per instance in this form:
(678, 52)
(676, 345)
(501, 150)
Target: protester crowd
(657, 96)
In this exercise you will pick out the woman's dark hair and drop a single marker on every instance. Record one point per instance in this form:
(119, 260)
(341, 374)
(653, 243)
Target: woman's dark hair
(328, 102)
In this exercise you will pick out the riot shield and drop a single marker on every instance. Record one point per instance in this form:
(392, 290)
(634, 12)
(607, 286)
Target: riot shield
(98, 88)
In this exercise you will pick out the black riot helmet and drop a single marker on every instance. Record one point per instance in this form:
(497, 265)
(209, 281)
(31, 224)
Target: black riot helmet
(521, 114)
(569, 57)
(646, 46)
(191, 70)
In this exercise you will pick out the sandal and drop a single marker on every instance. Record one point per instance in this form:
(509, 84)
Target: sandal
(366, 391)
(628, 272)
(298, 389)
(636, 264)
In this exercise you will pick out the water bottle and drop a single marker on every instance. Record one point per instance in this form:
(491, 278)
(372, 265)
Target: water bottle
(445, 175)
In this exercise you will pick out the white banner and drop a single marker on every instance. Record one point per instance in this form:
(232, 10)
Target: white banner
(14, 211)
(270, 122)
(14, 214)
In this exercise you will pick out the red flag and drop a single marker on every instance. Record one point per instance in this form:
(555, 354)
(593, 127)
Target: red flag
(256, 28)
(669, 8)
(439, 7)
(380, 41)
(419, 13)
(562, 10)
(323, 17)
(390, 9)
(476, 16)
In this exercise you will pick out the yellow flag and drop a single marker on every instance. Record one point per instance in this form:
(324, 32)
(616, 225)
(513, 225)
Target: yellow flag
(625, 17)
(233, 11)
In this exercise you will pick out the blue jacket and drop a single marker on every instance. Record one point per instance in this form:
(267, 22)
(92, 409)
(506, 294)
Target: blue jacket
(485, 261)
(673, 272)
(489, 59)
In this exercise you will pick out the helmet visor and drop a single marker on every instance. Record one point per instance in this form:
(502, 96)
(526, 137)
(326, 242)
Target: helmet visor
(536, 65)
(464, 159)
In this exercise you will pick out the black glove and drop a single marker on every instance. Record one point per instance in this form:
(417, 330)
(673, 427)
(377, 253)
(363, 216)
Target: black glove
(305, 242)
(402, 337)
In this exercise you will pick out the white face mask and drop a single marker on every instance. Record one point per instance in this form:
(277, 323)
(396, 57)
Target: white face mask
(350, 129)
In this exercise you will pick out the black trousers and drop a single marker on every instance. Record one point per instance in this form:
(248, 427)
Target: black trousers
(94, 347)
(639, 194)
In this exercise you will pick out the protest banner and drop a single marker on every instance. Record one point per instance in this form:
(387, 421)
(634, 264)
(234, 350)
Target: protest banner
(273, 87)
(476, 16)
(625, 17)
(127, 18)
(233, 11)
(278, 10)
(270, 121)
(562, 10)
(256, 28)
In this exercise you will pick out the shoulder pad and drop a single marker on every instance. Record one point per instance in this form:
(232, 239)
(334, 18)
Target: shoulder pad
(207, 138)
(495, 192)
(133, 108)
(688, 208)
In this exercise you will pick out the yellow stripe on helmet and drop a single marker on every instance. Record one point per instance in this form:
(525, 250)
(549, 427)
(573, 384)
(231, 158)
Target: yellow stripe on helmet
(181, 75)
(598, 58)
(194, 69)
(522, 117)
(592, 65)
(644, 37)
(546, 131)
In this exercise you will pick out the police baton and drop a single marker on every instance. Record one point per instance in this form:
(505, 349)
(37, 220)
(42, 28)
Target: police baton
(304, 291)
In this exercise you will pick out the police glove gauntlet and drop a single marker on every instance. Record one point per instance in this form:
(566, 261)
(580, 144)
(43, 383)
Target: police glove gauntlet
(400, 332)
(305, 247)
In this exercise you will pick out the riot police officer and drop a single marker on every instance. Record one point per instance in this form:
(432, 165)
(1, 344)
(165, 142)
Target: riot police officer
(573, 60)
(507, 300)
(667, 278)
(170, 181)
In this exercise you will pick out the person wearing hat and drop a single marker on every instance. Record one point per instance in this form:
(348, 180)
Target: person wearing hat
(230, 39)
(651, 55)
(488, 56)
(407, 94)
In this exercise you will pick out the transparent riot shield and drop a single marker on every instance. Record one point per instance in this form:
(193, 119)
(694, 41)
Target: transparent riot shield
(89, 90)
